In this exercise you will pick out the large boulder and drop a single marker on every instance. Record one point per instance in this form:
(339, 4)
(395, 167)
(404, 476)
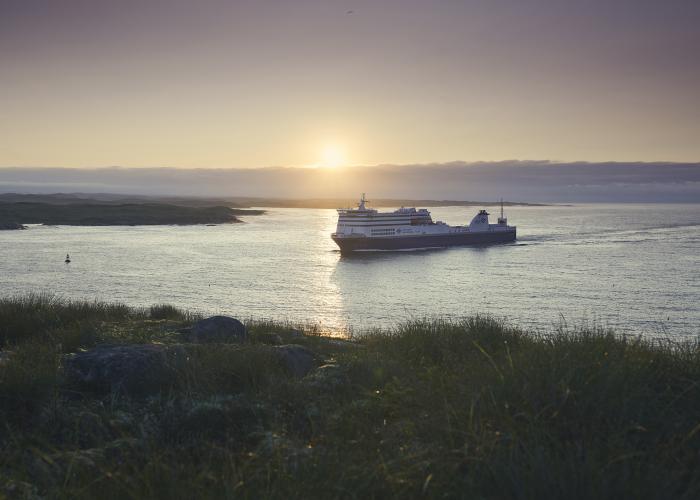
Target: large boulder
(217, 418)
(328, 378)
(222, 329)
(133, 369)
(296, 359)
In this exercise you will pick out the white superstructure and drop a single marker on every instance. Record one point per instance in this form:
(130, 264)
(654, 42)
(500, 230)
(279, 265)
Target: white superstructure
(371, 223)
(363, 228)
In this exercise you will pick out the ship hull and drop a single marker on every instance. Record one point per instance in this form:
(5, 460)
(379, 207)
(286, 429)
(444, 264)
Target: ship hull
(350, 244)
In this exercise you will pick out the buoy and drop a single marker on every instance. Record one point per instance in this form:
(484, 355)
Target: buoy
(67, 261)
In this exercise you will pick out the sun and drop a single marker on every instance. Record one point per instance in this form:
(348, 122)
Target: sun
(332, 156)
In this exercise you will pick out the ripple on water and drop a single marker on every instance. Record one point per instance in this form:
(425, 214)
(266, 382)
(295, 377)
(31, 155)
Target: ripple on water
(629, 267)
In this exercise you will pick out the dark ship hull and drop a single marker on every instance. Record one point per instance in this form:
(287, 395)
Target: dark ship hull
(359, 243)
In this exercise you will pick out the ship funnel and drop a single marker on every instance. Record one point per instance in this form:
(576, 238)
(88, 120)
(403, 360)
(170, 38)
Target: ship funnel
(480, 222)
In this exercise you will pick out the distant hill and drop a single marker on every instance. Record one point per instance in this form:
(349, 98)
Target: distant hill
(381, 202)
(535, 181)
(238, 203)
(116, 199)
(94, 214)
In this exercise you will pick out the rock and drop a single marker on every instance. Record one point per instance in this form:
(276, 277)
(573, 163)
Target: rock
(11, 225)
(123, 450)
(282, 448)
(269, 338)
(293, 332)
(297, 359)
(134, 369)
(19, 489)
(5, 356)
(342, 344)
(271, 443)
(327, 378)
(217, 418)
(217, 329)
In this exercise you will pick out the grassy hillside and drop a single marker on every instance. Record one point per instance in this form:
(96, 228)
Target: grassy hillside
(91, 214)
(436, 409)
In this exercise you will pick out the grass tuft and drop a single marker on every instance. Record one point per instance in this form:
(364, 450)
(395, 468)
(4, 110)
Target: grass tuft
(166, 311)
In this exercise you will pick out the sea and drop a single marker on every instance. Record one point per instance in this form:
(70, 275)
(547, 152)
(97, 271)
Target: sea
(634, 269)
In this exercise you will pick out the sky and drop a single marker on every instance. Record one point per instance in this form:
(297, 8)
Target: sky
(240, 84)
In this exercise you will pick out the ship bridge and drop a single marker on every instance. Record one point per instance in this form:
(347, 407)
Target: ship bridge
(363, 220)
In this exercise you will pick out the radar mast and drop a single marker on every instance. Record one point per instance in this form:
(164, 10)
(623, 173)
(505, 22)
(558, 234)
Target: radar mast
(361, 205)
(502, 220)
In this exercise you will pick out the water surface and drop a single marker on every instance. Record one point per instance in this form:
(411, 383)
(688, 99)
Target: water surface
(635, 268)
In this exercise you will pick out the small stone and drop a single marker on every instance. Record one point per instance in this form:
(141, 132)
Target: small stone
(270, 443)
(217, 418)
(269, 338)
(297, 359)
(342, 344)
(327, 377)
(5, 356)
(222, 329)
(10, 226)
(19, 489)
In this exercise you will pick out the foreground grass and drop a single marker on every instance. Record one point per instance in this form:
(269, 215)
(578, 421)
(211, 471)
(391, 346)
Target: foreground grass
(468, 409)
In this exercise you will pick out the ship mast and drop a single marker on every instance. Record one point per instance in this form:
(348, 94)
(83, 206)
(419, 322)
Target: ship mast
(361, 206)
(502, 220)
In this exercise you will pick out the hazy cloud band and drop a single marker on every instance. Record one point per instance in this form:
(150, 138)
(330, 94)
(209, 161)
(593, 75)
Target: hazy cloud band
(533, 181)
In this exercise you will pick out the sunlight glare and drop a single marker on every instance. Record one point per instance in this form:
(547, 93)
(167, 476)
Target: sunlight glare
(332, 156)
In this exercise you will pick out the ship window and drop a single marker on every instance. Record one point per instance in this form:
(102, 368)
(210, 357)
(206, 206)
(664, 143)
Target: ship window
(382, 232)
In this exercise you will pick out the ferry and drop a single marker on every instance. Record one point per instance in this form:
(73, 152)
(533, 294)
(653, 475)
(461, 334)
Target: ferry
(366, 229)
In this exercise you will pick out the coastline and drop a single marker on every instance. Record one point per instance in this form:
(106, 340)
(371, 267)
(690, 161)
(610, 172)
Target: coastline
(15, 215)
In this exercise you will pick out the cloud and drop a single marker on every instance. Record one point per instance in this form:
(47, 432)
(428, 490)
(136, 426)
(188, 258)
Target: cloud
(532, 181)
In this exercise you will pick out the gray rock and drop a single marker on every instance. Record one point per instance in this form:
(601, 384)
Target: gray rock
(271, 443)
(134, 369)
(221, 329)
(297, 359)
(269, 338)
(5, 356)
(11, 225)
(293, 332)
(19, 489)
(216, 418)
(342, 344)
(327, 377)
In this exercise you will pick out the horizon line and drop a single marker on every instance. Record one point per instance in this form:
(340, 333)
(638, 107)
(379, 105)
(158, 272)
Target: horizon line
(451, 163)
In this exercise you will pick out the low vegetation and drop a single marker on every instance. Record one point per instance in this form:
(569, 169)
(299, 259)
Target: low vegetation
(13, 215)
(437, 409)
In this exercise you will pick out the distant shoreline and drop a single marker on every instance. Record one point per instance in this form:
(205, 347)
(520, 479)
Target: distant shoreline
(243, 201)
(13, 216)
(16, 210)
(377, 203)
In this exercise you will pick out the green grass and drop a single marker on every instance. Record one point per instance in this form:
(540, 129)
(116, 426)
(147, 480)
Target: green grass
(434, 409)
